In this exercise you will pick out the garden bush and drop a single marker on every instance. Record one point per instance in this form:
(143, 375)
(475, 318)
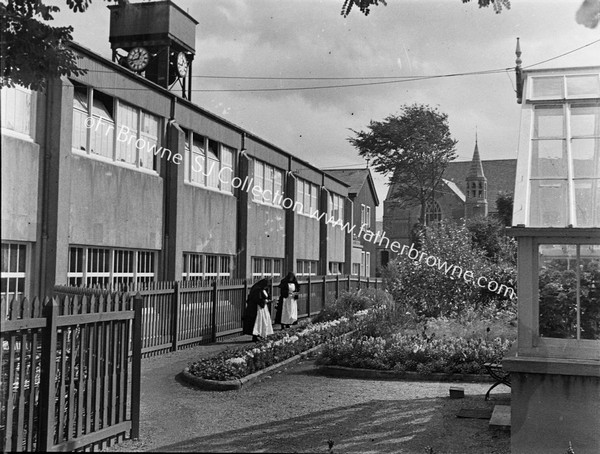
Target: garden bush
(349, 303)
(415, 353)
(487, 323)
(433, 291)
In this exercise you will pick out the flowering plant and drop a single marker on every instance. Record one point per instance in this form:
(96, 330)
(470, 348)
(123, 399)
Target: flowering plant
(239, 362)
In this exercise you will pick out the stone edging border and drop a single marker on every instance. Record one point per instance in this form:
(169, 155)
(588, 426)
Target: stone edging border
(228, 385)
(351, 372)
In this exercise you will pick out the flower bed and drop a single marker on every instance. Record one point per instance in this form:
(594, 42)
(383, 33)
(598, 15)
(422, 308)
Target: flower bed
(240, 362)
(418, 353)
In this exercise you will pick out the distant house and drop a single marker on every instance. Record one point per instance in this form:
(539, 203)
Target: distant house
(364, 200)
(469, 189)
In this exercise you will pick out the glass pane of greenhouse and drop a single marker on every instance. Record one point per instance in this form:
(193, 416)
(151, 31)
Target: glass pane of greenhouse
(569, 291)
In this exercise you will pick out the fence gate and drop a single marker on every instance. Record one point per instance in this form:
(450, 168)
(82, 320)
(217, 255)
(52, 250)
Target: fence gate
(70, 373)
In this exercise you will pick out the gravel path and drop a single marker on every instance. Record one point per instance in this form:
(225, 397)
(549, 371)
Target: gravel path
(297, 410)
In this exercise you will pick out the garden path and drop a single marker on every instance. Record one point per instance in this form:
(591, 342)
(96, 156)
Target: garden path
(297, 410)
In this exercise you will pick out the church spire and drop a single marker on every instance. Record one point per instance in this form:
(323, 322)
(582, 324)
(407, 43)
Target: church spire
(476, 169)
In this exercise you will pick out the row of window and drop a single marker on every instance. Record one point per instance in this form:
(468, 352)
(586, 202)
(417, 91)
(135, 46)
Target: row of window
(266, 267)
(199, 266)
(308, 195)
(306, 267)
(93, 266)
(270, 180)
(90, 266)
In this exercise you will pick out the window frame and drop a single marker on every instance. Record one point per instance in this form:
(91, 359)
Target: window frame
(259, 180)
(275, 263)
(112, 276)
(115, 128)
(203, 261)
(200, 178)
(16, 276)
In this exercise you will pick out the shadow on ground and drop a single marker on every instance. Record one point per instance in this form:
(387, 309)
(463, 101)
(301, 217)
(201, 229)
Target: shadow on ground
(377, 426)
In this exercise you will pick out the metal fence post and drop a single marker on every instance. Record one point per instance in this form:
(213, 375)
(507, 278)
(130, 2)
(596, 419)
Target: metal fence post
(136, 365)
(215, 295)
(349, 283)
(337, 286)
(308, 298)
(175, 321)
(47, 376)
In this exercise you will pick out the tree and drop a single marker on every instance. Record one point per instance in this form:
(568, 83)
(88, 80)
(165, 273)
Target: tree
(587, 15)
(414, 148)
(504, 207)
(365, 5)
(33, 51)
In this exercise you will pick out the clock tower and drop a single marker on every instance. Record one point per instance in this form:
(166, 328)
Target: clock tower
(155, 40)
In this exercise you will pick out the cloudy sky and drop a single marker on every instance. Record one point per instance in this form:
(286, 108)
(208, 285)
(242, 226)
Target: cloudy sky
(305, 44)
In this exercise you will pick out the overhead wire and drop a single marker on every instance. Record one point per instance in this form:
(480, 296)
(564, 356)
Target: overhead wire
(376, 80)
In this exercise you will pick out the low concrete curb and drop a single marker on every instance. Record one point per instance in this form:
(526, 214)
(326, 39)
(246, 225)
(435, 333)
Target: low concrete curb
(228, 385)
(351, 372)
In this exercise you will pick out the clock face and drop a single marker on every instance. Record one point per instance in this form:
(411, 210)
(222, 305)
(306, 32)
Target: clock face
(138, 58)
(182, 64)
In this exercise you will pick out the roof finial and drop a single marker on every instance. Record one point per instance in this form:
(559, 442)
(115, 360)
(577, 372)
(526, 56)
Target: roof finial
(518, 72)
(475, 134)
(367, 159)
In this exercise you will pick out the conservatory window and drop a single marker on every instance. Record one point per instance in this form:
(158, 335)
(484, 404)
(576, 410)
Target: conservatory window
(565, 165)
(569, 291)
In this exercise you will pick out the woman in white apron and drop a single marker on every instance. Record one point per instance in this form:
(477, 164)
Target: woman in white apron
(288, 300)
(257, 319)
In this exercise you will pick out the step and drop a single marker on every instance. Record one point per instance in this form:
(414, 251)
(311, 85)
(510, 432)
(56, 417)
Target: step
(501, 417)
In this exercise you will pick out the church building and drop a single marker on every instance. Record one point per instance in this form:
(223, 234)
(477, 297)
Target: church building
(469, 189)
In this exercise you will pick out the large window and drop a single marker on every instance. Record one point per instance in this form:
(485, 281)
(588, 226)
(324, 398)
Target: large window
(91, 266)
(270, 180)
(569, 291)
(308, 195)
(208, 163)
(365, 266)
(13, 269)
(565, 148)
(306, 267)
(16, 112)
(336, 207)
(266, 267)
(202, 266)
(108, 128)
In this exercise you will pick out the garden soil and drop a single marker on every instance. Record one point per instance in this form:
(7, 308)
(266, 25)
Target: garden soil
(296, 410)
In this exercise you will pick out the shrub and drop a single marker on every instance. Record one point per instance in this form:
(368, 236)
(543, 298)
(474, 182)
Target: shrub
(440, 290)
(487, 323)
(351, 302)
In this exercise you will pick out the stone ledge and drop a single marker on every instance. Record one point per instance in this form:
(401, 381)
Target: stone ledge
(228, 385)
(351, 372)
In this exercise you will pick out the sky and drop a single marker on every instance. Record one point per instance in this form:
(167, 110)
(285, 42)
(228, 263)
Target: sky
(283, 39)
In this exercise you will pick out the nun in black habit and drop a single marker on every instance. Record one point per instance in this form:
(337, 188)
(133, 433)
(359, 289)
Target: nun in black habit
(287, 309)
(257, 320)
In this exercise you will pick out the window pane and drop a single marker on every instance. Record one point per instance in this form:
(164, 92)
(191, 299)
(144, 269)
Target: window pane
(258, 180)
(127, 132)
(558, 291)
(277, 185)
(587, 203)
(549, 159)
(225, 176)
(150, 140)
(103, 126)
(268, 196)
(548, 203)
(314, 199)
(578, 86)
(197, 175)
(586, 157)
(548, 122)
(212, 170)
(585, 120)
(590, 291)
(547, 87)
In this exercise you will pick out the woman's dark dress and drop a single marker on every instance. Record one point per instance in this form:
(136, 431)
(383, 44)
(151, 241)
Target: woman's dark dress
(255, 299)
